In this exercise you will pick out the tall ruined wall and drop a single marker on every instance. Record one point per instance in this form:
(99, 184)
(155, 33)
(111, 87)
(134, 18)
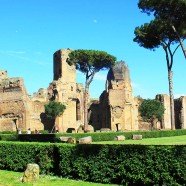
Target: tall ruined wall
(166, 120)
(35, 115)
(119, 102)
(183, 112)
(179, 109)
(61, 68)
(105, 114)
(116, 109)
(180, 112)
(13, 106)
(65, 90)
(17, 109)
(94, 114)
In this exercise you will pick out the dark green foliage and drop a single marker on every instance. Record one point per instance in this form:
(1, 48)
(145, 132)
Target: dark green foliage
(151, 109)
(9, 137)
(151, 36)
(119, 164)
(89, 61)
(109, 136)
(15, 156)
(38, 137)
(172, 11)
(166, 29)
(101, 136)
(8, 132)
(54, 109)
(167, 13)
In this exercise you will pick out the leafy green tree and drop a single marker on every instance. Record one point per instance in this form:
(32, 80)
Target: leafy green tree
(171, 11)
(54, 109)
(151, 110)
(89, 62)
(166, 30)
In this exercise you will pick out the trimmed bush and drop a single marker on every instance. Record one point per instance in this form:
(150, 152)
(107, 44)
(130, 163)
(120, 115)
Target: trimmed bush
(15, 156)
(119, 164)
(38, 137)
(105, 136)
(8, 132)
(9, 137)
(109, 136)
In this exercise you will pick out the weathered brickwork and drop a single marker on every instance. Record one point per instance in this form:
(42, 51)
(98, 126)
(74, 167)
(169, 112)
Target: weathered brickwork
(180, 112)
(166, 120)
(65, 90)
(116, 108)
(118, 104)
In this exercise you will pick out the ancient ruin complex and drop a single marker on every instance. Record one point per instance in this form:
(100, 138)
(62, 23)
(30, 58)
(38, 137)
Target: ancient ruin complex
(116, 108)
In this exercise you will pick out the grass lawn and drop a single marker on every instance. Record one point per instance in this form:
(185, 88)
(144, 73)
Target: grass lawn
(173, 140)
(10, 178)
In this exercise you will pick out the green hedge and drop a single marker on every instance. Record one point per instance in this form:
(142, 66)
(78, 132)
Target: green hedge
(8, 132)
(119, 164)
(101, 136)
(96, 136)
(16, 155)
(38, 137)
(9, 137)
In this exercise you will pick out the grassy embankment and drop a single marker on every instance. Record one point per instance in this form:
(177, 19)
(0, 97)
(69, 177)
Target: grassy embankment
(10, 178)
(174, 140)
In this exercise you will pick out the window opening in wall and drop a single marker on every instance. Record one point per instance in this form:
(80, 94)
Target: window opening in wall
(78, 111)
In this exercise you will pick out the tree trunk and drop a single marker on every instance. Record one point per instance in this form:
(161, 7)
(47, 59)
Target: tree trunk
(85, 108)
(180, 41)
(53, 126)
(170, 76)
(89, 79)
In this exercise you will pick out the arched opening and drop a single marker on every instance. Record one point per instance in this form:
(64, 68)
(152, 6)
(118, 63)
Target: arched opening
(118, 126)
(78, 111)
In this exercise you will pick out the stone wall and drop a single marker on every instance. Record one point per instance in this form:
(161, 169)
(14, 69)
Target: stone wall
(105, 114)
(35, 115)
(183, 112)
(65, 90)
(118, 106)
(17, 109)
(116, 109)
(13, 107)
(180, 112)
(166, 120)
(94, 114)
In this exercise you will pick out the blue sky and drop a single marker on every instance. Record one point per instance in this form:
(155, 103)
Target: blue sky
(31, 31)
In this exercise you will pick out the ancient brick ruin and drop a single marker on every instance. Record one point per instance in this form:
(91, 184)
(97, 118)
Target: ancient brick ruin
(116, 108)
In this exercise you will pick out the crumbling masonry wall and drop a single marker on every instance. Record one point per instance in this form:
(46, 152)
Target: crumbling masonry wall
(117, 103)
(180, 112)
(17, 111)
(116, 109)
(64, 89)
